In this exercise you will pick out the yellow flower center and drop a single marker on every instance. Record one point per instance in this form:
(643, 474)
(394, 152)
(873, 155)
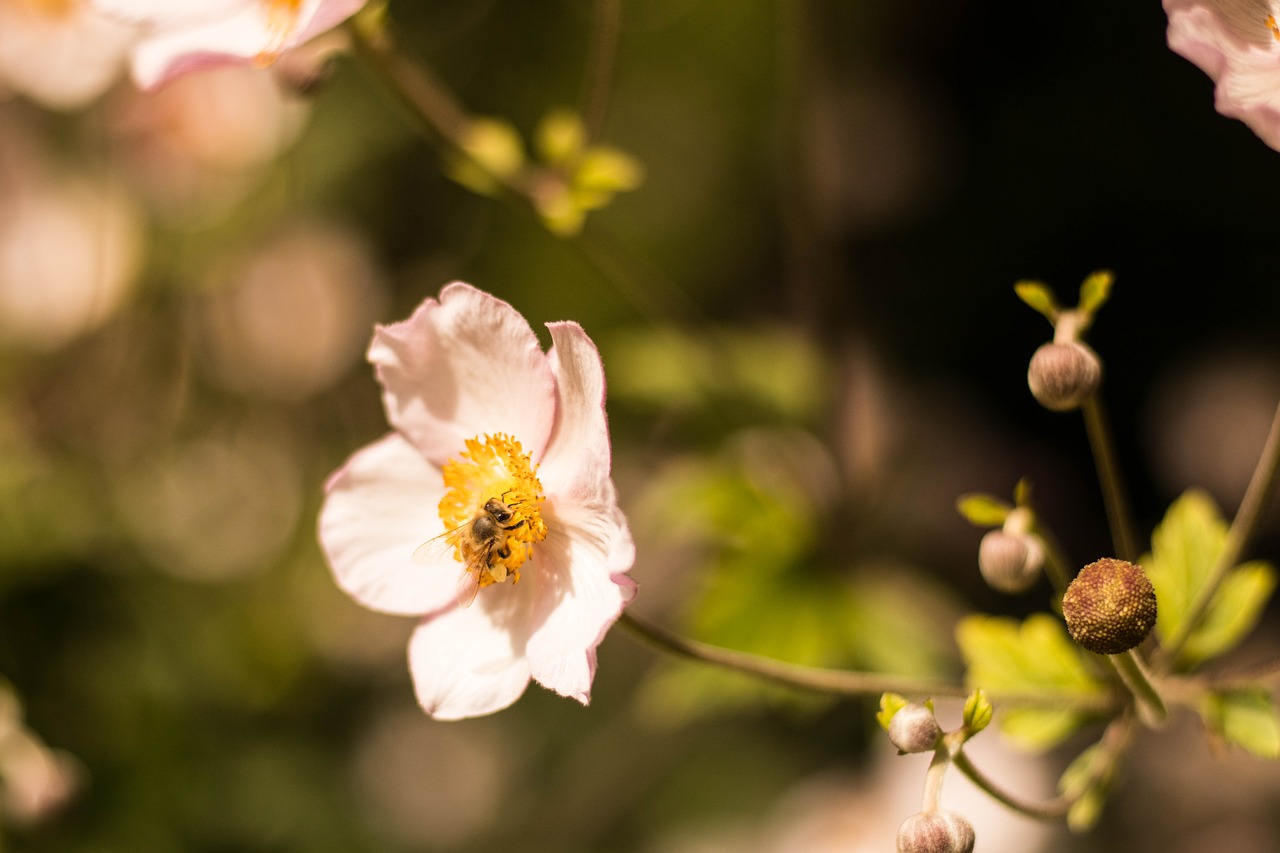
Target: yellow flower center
(49, 9)
(282, 18)
(493, 477)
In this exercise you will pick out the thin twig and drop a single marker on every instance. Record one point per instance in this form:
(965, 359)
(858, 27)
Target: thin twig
(843, 682)
(598, 80)
(1113, 492)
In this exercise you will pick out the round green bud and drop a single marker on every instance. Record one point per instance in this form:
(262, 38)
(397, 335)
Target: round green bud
(935, 832)
(1009, 562)
(1064, 375)
(1110, 607)
(914, 729)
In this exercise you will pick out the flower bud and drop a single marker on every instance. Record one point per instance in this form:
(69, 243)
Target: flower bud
(1009, 562)
(935, 832)
(914, 729)
(1063, 375)
(1110, 607)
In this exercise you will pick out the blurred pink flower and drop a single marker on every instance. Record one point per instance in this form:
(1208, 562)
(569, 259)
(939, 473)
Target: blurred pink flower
(484, 417)
(186, 35)
(60, 53)
(1237, 43)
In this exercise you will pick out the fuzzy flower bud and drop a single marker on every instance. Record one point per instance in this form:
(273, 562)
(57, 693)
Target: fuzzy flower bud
(1110, 607)
(935, 832)
(1009, 562)
(1063, 375)
(914, 729)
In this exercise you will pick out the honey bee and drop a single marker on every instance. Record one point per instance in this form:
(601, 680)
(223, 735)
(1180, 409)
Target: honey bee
(482, 543)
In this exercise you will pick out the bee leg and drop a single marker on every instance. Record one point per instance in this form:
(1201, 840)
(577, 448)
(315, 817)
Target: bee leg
(515, 526)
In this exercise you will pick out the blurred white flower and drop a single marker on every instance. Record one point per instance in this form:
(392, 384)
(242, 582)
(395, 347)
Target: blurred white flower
(35, 781)
(60, 53)
(322, 278)
(181, 36)
(201, 144)
(69, 255)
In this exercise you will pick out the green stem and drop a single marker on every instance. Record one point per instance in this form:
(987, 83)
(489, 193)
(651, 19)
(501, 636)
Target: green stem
(933, 778)
(1150, 705)
(1111, 747)
(606, 22)
(1238, 536)
(1113, 491)
(1054, 809)
(843, 682)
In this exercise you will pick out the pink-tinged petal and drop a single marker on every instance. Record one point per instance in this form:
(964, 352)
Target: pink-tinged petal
(378, 509)
(577, 461)
(470, 661)
(327, 14)
(461, 367)
(582, 588)
(1233, 44)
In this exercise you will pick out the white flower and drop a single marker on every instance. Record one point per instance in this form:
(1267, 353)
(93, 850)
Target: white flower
(60, 53)
(186, 35)
(483, 416)
(1237, 43)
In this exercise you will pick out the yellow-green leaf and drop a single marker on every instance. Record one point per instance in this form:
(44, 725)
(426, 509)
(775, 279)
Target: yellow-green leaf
(1184, 549)
(1035, 657)
(983, 510)
(1234, 612)
(1095, 291)
(1038, 296)
(1246, 718)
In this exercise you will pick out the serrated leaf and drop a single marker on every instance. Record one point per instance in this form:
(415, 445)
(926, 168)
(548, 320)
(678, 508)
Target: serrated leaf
(1184, 548)
(983, 510)
(890, 704)
(1035, 657)
(977, 712)
(1037, 295)
(1246, 718)
(1095, 291)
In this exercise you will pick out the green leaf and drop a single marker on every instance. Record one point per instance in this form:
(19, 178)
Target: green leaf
(1184, 548)
(1035, 657)
(1246, 718)
(1234, 612)
(983, 510)
(1038, 296)
(890, 704)
(977, 712)
(1081, 780)
(1095, 291)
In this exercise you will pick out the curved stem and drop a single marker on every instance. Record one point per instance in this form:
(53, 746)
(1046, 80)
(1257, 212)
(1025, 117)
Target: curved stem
(1150, 705)
(606, 22)
(842, 682)
(1238, 536)
(933, 778)
(1113, 492)
(1114, 742)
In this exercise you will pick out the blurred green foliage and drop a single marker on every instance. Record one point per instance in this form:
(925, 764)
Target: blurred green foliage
(820, 179)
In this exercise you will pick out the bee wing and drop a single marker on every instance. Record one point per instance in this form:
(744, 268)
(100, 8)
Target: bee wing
(468, 586)
(440, 550)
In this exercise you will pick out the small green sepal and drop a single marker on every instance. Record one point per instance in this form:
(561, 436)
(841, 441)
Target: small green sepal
(890, 704)
(1037, 295)
(1095, 291)
(982, 510)
(977, 712)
